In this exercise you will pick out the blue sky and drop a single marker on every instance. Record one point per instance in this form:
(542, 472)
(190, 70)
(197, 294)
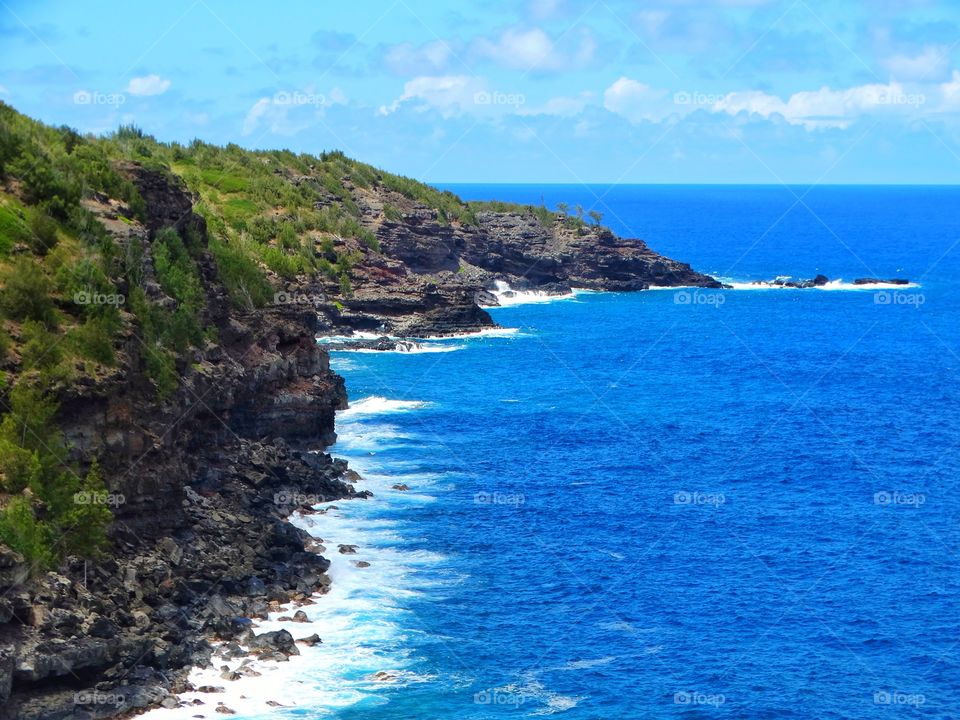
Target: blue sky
(752, 91)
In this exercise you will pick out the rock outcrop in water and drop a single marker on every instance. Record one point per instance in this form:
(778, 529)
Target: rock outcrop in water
(823, 280)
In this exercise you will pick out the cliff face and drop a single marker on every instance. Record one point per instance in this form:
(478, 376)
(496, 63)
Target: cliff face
(210, 407)
(200, 485)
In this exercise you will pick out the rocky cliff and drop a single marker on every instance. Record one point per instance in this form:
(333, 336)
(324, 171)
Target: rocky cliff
(431, 277)
(210, 408)
(199, 484)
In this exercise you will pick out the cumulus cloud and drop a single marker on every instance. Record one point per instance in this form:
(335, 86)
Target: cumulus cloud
(148, 85)
(533, 49)
(636, 101)
(811, 109)
(449, 94)
(290, 111)
(824, 108)
(931, 64)
(950, 92)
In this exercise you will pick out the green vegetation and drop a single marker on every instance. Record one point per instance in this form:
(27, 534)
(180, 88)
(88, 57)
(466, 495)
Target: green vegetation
(52, 510)
(392, 213)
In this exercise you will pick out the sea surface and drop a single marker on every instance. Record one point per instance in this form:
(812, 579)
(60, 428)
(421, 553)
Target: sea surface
(676, 503)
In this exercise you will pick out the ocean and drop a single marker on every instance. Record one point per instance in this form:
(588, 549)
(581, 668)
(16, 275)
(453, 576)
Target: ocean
(674, 503)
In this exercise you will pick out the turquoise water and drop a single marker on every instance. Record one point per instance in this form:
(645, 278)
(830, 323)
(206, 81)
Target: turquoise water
(739, 504)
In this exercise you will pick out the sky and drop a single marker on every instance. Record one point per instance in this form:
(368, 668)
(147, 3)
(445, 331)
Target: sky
(566, 91)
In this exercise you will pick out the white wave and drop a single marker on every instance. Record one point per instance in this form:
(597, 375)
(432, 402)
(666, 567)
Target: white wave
(833, 285)
(507, 296)
(377, 405)
(587, 664)
(486, 332)
(365, 438)
(362, 620)
(531, 690)
(342, 364)
(358, 336)
(408, 347)
(840, 285)
(558, 703)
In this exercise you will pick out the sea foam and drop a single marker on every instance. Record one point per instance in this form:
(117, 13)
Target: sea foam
(507, 296)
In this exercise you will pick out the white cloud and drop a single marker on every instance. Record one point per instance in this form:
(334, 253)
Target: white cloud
(931, 64)
(950, 91)
(407, 58)
(450, 94)
(823, 108)
(636, 101)
(148, 85)
(534, 49)
(811, 109)
(290, 111)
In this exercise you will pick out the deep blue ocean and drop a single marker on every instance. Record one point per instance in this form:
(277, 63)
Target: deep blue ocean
(644, 506)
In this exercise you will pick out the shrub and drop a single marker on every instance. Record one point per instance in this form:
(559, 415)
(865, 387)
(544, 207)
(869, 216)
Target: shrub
(20, 529)
(94, 340)
(40, 349)
(53, 521)
(13, 229)
(43, 230)
(245, 280)
(26, 293)
(44, 183)
(84, 525)
(176, 270)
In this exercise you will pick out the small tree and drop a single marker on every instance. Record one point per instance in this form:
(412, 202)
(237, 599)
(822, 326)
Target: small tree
(563, 208)
(597, 217)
